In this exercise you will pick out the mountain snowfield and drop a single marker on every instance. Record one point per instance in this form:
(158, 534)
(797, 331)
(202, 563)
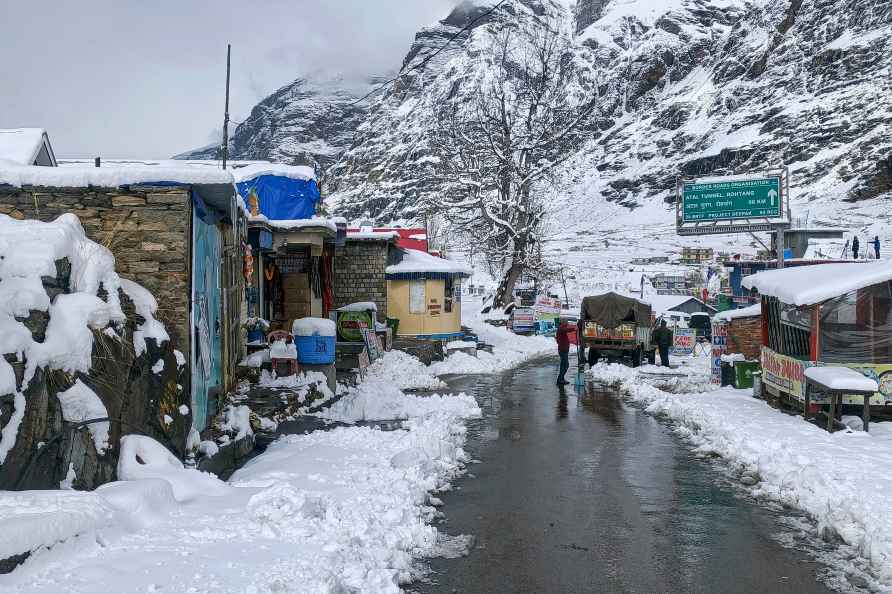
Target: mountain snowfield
(686, 87)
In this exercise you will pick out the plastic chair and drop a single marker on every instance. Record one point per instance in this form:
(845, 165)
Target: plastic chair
(287, 338)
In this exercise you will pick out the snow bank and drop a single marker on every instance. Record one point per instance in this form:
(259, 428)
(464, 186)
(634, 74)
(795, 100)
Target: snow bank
(314, 327)
(346, 510)
(32, 519)
(377, 399)
(301, 172)
(404, 371)
(509, 351)
(835, 478)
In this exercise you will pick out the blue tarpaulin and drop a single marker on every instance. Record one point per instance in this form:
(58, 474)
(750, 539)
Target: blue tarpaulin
(281, 198)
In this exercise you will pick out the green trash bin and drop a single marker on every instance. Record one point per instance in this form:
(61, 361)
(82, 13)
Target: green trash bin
(743, 373)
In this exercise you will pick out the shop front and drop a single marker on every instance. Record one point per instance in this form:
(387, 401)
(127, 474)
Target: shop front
(831, 315)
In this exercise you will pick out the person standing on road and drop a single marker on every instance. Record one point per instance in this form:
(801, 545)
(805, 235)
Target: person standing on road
(562, 336)
(876, 246)
(662, 336)
(855, 245)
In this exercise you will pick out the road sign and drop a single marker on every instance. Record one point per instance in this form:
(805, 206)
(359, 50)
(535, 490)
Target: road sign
(731, 200)
(735, 204)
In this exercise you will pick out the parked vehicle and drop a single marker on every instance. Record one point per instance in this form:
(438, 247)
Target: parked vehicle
(613, 325)
(702, 323)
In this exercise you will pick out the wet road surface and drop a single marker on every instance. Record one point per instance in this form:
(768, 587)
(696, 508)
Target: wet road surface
(582, 493)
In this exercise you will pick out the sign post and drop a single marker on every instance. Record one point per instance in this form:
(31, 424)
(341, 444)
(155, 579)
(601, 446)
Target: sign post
(735, 204)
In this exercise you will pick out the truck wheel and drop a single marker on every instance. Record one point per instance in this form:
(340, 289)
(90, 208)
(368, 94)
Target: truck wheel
(652, 356)
(636, 357)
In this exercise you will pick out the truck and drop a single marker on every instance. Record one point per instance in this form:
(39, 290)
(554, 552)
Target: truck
(615, 326)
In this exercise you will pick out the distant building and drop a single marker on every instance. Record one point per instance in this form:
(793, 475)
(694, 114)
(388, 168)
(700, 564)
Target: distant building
(691, 255)
(27, 146)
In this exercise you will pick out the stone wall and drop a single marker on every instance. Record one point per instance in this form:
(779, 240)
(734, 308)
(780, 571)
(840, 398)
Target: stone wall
(745, 336)
(359, 274)
(146, 228)
(137, 398)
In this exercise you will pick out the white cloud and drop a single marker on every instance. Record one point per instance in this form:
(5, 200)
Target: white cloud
(146, 79)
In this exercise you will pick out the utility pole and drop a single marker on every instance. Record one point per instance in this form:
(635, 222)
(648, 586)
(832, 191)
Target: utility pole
(226, 113)
(564, 282)
(780, 246)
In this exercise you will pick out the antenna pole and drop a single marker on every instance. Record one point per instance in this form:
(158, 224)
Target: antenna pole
(226, 113)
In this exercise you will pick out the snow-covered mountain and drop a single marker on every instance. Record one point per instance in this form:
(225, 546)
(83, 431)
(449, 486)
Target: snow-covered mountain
(688, 87)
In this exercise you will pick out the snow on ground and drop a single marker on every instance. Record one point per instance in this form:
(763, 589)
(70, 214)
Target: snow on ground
(332, 511)
(404, 371)
(835, 478)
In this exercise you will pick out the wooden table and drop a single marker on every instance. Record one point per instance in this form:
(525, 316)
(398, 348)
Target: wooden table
(838, 381)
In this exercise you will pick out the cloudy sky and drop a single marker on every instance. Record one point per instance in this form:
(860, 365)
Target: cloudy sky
(145, 78)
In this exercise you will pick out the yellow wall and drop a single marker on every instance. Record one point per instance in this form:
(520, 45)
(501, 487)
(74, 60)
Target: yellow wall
(398, 297)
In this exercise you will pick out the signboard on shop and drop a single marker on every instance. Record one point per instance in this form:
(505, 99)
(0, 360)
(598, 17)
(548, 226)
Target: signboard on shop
(719, 346)
(683, 341)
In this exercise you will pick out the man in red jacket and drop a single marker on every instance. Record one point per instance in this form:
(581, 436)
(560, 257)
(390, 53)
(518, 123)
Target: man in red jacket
(562, 336)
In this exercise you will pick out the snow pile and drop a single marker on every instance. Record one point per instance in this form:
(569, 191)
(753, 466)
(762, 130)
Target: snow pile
(314, 327)
(80, 403)
(404, 371)
(835, 478)
(251, 171)
(29, 250)
(279, 349)
(509, 351)
(296, 224)
(146, 306)
(236, 420)
(144, 458)
(378, 399)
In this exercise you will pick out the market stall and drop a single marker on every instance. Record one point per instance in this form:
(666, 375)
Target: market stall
(829, 315)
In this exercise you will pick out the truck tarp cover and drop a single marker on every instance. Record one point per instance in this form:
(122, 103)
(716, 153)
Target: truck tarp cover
(610, 310)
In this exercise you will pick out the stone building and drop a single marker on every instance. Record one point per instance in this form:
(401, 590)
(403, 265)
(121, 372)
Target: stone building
(178, 233)
(360, 271)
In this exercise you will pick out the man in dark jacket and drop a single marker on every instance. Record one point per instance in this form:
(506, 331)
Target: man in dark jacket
(562, 336)
(876, 246)
(662, 336)
(855, 246)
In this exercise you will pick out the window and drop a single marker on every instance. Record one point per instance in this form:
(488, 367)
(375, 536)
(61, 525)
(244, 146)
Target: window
(416, 297)
(448, 294)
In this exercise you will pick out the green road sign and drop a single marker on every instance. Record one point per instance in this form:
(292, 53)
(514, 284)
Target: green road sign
(756, 198)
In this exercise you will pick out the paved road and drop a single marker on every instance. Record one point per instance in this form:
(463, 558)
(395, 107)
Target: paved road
(586, 494)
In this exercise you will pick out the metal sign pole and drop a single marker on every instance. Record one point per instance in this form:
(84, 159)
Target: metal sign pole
(780, 245)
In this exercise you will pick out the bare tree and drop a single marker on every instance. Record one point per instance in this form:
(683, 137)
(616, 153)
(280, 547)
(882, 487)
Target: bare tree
(522, 120)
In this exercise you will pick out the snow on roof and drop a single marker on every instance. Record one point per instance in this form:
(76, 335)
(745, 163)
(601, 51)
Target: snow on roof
(360, 306)
(290, 171)
(806, 285)
(21, 145)
(418, 261)
(373, 235)
(662, 303)
(296, 224)
(841, 378)
(733, 314)
(18, 175)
